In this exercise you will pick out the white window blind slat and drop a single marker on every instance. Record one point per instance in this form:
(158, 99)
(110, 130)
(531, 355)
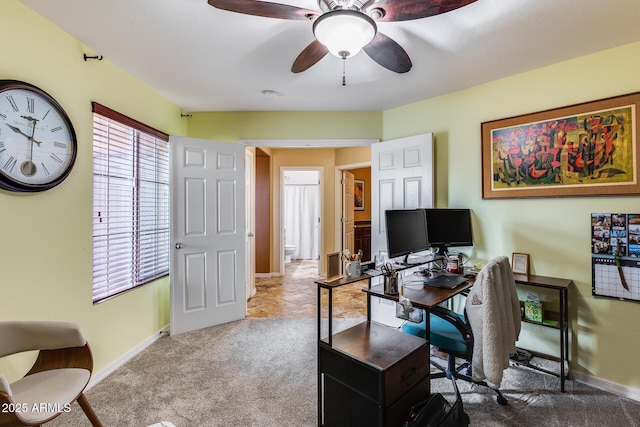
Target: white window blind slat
(130, 204)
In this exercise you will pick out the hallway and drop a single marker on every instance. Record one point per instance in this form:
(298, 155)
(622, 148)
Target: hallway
(294, 295)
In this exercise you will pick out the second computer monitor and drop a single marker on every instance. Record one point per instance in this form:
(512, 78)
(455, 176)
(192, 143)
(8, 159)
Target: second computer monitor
(448, 228)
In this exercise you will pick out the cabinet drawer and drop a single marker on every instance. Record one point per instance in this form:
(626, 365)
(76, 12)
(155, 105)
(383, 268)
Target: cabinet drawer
(351, 373)
(407, 373)
(398, 413)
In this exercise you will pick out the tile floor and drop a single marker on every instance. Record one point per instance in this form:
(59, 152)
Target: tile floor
(294, 295)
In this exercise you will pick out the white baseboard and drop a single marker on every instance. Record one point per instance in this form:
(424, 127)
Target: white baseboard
(611, 387)
(103, 373)
(269, 275)
(263, 275)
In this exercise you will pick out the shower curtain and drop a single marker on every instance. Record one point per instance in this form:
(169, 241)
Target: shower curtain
(302, 211)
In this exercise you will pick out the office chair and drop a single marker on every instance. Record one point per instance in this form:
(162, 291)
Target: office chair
(57, 379)
(485, 335)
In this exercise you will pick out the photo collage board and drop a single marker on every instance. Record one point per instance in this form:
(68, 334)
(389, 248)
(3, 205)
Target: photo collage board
(615, 255)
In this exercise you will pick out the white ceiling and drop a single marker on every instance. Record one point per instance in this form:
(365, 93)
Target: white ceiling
(206, 59)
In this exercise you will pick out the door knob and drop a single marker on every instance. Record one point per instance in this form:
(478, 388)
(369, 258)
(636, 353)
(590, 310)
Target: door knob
(178, 245)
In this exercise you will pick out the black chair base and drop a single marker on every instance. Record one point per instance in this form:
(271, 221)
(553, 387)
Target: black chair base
(453, 371)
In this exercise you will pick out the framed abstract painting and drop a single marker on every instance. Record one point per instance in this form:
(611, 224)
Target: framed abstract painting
(587, 149)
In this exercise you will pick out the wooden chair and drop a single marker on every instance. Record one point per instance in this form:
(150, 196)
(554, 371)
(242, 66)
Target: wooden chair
(57, 379)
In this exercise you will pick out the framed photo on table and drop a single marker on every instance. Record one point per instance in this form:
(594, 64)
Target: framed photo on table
(520, 263)
(333, 266)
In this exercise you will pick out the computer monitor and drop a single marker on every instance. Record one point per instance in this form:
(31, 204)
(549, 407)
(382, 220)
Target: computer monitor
(449, 228)
(406, 232)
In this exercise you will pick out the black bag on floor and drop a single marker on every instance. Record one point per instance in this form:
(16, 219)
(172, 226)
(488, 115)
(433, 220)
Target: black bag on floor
(436, 411)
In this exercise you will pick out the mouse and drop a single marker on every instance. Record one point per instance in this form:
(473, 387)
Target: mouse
(469, 275)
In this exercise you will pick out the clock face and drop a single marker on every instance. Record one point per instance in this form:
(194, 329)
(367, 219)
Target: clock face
(37, 141)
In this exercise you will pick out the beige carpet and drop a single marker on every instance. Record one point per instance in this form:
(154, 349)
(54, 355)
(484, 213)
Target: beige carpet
(262, 373)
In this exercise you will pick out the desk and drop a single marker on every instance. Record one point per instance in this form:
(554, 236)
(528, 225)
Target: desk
(562, 287)
(371, 374)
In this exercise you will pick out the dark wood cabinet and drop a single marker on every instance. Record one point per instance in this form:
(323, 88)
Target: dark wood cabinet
(372, 375)
(362, 239)
(369, 374)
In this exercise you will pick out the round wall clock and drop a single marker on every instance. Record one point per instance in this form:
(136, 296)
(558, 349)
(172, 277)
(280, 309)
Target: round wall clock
(37, 142)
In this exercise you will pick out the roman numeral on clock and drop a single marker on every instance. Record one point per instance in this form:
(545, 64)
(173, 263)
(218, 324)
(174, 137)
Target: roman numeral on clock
(60, 144)
(31, 104)
(10, 164)
(56, 158)
(14, 106)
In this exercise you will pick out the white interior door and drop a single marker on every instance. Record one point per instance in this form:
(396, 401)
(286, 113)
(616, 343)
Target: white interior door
(208, 235)
(401, 178)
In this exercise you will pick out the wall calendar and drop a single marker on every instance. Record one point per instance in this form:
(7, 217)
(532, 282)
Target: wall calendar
(615, 255)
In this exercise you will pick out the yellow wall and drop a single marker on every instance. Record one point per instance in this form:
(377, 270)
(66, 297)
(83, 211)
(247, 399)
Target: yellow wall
(45, 255)
(555, 232)
(233, 126)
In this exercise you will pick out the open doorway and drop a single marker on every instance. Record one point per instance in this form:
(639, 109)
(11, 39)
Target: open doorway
(300, 219)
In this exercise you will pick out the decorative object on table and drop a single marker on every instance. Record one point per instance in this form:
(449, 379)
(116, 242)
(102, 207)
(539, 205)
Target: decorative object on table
(533, 309)
(615, 255)
(352, 263)
(353, 268)
(405, 310)
(333, 266)
(391, 286)
(454, 264)
(358, 195)
(39, 143)
(520, 263)
(585, 149)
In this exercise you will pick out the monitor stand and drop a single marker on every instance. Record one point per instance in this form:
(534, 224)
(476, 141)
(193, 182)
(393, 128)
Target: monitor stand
(441, 250)
(418, 260)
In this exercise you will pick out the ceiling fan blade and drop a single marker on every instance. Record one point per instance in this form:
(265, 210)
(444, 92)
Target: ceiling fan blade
(404, 10)
(263, 8)
(386, 52)
(309, 56)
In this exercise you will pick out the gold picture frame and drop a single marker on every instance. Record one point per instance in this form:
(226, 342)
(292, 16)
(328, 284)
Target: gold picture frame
(587, 149)
(333, 266)
(358, 195)
(520, 263)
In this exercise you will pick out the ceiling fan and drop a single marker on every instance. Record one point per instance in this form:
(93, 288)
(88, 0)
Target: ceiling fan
(344, 27)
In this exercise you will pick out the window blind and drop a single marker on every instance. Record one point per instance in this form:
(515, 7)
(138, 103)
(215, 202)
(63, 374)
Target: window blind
(130, 203)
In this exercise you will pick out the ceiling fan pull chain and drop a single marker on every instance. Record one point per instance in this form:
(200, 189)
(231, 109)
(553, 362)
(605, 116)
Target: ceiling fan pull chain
(344, 77)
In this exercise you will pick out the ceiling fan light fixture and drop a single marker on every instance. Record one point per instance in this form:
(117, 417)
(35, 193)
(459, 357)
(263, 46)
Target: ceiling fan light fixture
(344, 32)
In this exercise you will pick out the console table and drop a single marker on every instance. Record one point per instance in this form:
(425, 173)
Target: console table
(371, 374)
(562, 287)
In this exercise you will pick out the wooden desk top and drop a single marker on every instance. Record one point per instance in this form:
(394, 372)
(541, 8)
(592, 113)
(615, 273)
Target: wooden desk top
(542, 281)
(424, 297)
(364, 276)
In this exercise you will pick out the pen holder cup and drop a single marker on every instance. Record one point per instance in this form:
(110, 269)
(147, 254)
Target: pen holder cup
(391, 285)
(353, 268)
